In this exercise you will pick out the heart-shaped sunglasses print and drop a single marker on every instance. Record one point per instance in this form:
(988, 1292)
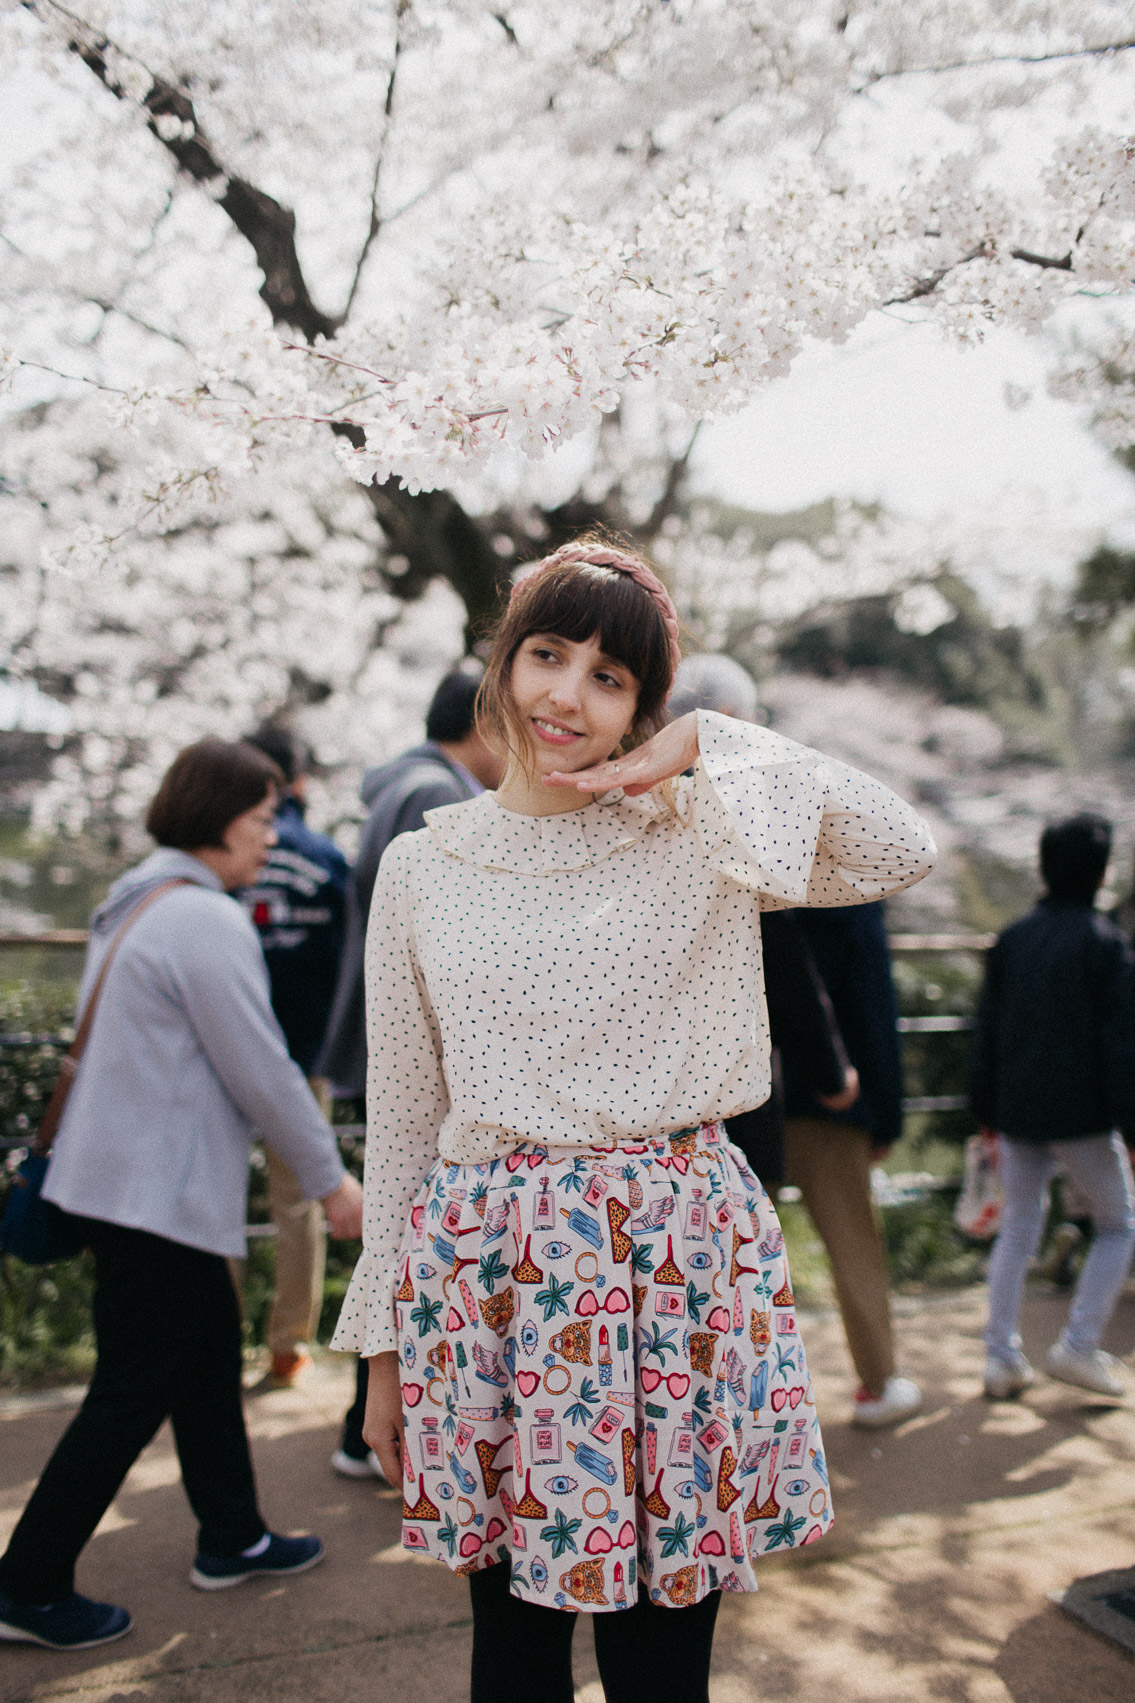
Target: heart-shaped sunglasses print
(676, 1382)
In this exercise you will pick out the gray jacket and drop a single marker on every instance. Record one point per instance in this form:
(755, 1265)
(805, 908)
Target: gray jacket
(184, 1061)
(399, 793)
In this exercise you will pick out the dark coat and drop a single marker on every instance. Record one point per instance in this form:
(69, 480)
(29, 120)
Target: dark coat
(399, 793)
(800, 1016)
(298, 904)
(1054, 1048)
(849, 945)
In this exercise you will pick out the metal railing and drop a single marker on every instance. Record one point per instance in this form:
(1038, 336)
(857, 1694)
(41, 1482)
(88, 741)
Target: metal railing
(937, 1024)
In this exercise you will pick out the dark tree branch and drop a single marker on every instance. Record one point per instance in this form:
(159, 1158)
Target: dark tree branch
(268, 227)
(926, 286)
(1104, 51)
(375, 224)
(1064, 264)
(675, 479)
(431, 529)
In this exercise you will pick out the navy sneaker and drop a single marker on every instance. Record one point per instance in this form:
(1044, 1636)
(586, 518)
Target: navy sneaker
(76, 1623)
(280, 1555)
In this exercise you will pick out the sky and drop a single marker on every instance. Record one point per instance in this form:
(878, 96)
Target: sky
(899, 415)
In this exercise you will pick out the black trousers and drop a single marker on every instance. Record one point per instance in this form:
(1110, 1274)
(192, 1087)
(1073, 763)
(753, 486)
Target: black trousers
(645, 1654)
(353, 1423)
(167, 1323)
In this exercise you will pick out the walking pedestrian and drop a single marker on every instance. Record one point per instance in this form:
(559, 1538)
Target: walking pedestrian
(296, 904)
(453, 764)
(1053, 1073)
(831, 1147)
(574, 1277)
(183, 1060)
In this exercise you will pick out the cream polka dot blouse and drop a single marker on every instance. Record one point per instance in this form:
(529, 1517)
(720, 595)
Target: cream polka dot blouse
(594, 976)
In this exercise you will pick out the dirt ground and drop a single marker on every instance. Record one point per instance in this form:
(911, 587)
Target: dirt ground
(953, 1535)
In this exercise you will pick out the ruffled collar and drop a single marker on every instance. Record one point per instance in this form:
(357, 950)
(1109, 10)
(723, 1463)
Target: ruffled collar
(479, 831)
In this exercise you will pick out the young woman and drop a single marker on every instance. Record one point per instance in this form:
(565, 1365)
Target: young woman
(578, 1284)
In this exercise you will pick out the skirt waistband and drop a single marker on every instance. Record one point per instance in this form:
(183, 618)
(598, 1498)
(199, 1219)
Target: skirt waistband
(679, 1141)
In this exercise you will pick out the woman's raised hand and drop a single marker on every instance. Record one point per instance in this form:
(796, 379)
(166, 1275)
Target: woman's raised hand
(669, 753)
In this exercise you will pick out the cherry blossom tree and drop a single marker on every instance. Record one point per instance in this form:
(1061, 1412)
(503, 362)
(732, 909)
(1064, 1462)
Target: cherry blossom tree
(458, 251)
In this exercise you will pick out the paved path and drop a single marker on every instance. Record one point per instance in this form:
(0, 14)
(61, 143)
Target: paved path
(952, 1533)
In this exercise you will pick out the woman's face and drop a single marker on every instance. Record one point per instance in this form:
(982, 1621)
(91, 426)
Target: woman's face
(247, 841)
(575, 703)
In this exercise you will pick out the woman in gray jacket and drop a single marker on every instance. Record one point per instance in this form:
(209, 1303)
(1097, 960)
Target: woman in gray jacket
(185, 1060)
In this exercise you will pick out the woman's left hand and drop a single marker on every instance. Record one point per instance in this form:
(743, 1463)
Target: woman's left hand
(671, 752)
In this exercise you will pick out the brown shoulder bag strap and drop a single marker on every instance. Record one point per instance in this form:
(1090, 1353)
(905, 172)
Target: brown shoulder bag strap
(49, 1124)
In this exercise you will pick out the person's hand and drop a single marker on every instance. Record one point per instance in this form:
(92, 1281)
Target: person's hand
(671, 752)
(847, 1096)
(384, 1429)
(344, 1210)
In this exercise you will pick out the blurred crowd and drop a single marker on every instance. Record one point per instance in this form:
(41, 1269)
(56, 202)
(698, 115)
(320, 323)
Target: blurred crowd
(226, 1020)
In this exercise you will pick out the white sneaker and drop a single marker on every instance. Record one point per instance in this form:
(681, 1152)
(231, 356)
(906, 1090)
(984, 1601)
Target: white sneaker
(1096, 1371)
(351, 1466)
(900, 1398)
(1007, 1377)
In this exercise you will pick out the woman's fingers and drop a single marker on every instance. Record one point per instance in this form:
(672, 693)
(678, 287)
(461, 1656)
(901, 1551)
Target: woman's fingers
(388, 1448)
(667, 754)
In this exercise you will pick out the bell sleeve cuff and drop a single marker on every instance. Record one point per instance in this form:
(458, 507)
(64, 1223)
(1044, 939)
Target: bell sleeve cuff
(798, 827)
(367, 1321)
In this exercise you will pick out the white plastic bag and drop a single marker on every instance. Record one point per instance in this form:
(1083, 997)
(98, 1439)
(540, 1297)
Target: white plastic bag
(978, 1212)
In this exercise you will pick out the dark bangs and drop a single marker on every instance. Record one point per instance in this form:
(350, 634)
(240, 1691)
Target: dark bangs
(578, 600)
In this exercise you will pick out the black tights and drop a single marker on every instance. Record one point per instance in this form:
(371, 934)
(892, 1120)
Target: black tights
(646, 1654)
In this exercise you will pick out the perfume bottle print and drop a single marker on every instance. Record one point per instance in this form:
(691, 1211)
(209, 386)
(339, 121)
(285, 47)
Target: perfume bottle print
(545, 1438)
(431, 1446)
(544, 1211)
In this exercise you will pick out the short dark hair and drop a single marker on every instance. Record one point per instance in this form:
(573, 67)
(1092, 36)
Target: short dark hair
(287, 750)
(207, 786)
(1073, 856)
(451, 715)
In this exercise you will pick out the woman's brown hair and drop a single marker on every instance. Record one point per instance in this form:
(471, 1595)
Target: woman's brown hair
(578, 601)
(207, 786)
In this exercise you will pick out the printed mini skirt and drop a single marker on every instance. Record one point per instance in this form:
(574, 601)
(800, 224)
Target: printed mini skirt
(602, 1377)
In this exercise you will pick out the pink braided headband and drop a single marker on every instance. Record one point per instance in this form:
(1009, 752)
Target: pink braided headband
(599, 556)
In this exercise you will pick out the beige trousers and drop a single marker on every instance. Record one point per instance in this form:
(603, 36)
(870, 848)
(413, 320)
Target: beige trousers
(301, 1254)
(830, 1163)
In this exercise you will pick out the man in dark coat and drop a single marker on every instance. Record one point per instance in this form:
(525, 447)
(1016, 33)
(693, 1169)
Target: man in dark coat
(453, 764)
(1053, 1073)
(830, 1150)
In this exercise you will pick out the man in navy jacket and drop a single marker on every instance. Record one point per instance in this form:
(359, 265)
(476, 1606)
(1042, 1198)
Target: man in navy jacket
(1053, 1072)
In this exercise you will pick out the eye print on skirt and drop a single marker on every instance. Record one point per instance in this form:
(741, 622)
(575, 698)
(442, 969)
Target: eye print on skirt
(560, 1484)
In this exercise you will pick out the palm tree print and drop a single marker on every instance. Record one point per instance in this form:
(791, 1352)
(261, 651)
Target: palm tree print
(491, 1269)
(561, 1534)
(553, 1299)
(695, 1300)
(582, 1409)
(658, 1343)
(784, 1531)
(676, 1538)
(642, 1259)
(425, 1316)
(572, 1183)
(448, 1535)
